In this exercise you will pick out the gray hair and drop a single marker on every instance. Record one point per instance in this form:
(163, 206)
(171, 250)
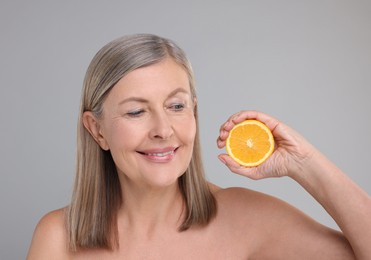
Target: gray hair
(92, 214)
(124, 55)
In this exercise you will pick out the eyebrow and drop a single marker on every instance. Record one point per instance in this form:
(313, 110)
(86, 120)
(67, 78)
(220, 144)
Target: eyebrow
(143, 100)
(178, 90)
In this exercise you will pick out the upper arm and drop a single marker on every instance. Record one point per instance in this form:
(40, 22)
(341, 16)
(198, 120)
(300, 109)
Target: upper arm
(49, 238)
(291, 234)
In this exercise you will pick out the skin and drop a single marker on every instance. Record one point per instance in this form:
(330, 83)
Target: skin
(248, 224)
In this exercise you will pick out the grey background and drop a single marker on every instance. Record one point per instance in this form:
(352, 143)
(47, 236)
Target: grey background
(307, 63)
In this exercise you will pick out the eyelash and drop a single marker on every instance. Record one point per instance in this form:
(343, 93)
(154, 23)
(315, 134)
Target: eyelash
(177, 107)
(135, 113)
(174, 107)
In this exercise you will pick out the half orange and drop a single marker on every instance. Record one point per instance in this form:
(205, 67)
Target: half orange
(250, 143)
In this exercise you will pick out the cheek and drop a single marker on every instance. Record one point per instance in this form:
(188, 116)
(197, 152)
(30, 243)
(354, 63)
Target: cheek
(188, 130)
(122, 137)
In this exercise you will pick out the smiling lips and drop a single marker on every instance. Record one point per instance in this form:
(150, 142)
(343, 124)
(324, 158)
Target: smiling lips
(159, 155)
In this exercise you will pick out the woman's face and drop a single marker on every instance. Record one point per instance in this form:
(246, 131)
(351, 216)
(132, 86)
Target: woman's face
(149, 125)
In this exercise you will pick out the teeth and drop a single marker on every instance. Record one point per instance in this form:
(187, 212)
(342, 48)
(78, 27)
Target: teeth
(160, 154)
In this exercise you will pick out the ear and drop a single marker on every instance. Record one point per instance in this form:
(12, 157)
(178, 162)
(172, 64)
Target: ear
(91, 124)
(194, 105)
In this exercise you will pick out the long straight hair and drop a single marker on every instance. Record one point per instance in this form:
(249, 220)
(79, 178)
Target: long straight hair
(92, 214)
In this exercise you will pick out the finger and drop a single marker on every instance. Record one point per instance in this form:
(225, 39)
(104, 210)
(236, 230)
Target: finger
(239, 117)
(227, 126)
(223, 133)
(232, 120)
(221, 140)
(244, 115)
(220, 143)
(268, 120)
(229, 162)
(250, 172)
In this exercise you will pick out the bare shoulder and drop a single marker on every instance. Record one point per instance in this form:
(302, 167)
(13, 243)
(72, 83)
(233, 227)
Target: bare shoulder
(279, 229)
(243, 199)
(253, 209)
(49, 240)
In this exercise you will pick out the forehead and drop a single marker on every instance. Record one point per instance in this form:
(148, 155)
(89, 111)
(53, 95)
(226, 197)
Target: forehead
(160, 78)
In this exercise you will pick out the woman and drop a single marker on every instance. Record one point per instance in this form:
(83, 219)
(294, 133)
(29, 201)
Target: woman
(140, 190)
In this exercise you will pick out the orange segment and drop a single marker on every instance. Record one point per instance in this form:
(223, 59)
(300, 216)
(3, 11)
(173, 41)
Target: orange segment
(250, 143)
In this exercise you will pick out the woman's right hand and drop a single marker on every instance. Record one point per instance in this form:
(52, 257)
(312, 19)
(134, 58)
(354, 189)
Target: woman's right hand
(292, 152)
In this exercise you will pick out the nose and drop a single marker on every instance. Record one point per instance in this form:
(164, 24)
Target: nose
(162, 127)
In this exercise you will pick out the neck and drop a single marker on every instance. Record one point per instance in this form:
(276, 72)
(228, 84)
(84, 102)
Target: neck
(146, 209)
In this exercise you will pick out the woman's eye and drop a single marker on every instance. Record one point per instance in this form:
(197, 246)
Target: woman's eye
(135, 113)
(177, 107)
